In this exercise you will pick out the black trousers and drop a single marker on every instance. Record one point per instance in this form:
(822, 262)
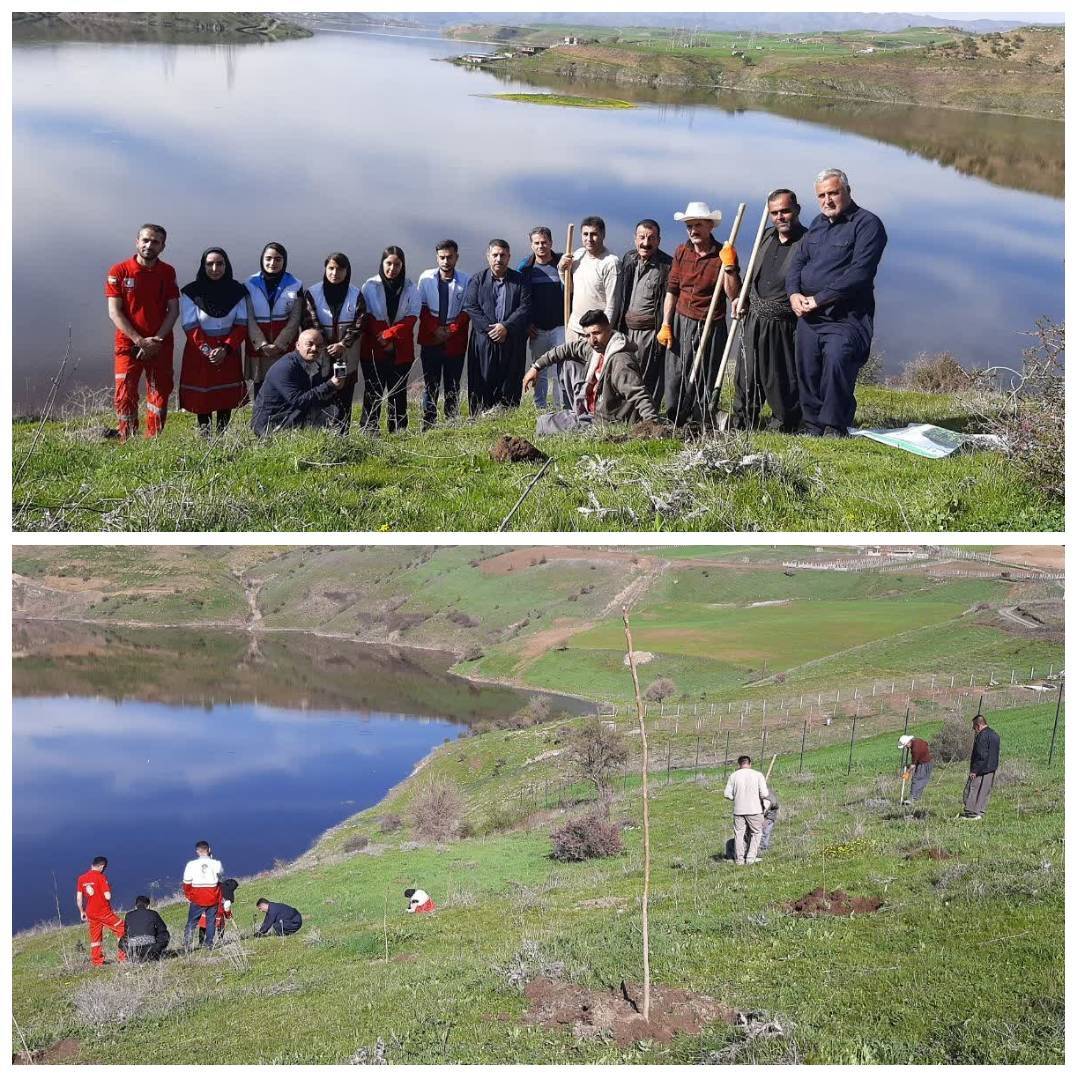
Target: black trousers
(441, 372)
(385, 378)
(765, 371)
(829, 354)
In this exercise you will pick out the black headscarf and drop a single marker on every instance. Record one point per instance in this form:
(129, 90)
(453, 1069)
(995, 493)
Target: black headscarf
(216, 298)
(335, 294)
(272, 281)
(392, 287)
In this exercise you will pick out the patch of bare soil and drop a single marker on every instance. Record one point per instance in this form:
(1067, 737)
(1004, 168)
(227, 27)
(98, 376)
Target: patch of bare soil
(1040, 557)
(515, 448)
(57, 1054)
(643, 429)
(521, 558)
(935, 853)
(616, 1015)
(837, 902)
(602, 902)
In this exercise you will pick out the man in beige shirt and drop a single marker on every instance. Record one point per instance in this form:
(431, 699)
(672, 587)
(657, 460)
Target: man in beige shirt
(746, 787)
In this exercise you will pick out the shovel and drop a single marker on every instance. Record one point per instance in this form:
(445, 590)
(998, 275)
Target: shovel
(723, 419)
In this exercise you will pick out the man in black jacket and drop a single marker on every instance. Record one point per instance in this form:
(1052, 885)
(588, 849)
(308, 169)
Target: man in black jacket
(280, 919)
(984, 763)
(295, 393)
(639, 303)
(147, 935)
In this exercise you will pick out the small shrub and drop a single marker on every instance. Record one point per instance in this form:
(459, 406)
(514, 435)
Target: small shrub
(590, 836)
(389, 823)
(659, 690)
(1012, 772)
(357, 843)
(132, 992)
(872, 373)
(937, 373)
(437, 811)
(952, 742)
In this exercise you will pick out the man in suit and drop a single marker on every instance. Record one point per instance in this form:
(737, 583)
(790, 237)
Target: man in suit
(498, 301)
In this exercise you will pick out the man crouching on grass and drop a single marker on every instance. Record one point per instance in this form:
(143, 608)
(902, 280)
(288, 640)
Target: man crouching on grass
(295, 393)
(613, 391)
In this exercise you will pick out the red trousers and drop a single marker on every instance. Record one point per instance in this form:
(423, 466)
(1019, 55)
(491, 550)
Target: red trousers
(112, 922)
(159, 385)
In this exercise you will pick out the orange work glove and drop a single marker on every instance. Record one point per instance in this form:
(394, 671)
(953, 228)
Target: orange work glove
(664, 336)
(728, 259)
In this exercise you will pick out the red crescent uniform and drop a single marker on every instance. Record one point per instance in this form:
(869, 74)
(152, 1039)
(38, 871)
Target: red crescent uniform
(205, 387)
(145, 292)
(93, 887)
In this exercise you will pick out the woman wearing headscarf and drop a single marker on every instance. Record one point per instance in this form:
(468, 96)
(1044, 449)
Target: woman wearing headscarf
(276, 300)
(386, 353)
(337, 308)
(214, 315)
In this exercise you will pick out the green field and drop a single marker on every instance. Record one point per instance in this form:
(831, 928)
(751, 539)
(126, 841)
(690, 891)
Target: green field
(569, 101)
(446, 480)
(895, 987)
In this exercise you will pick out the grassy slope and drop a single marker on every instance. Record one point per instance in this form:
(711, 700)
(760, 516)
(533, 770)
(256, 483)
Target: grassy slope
(446, 480)
(894, 987)
(910, 67)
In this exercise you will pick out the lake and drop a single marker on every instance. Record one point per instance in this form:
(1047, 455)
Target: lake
(352, 142)
(136, 743)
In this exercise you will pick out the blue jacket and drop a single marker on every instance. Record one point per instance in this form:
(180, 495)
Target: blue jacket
(280, 919)
(547, 295)
(291, 396)
(836, 262)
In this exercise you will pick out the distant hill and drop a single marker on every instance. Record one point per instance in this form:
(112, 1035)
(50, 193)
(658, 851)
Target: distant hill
(182, 27)
(763, 21)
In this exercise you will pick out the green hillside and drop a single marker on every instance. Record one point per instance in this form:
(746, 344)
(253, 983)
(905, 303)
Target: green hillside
(963, 963)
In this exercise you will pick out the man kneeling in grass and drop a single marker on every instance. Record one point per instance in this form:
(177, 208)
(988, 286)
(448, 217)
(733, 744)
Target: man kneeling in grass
(280, 919)
(295, 393)
(613, 391)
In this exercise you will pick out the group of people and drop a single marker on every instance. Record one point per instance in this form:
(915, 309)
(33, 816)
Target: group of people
(141, 934)
(756, 806)
(623, 349)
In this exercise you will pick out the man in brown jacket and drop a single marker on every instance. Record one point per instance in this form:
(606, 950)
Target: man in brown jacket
(613, 390)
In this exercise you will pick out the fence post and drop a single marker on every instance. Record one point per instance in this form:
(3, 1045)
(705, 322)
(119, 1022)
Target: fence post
(802, 746)
(1057, 713)
(669, 759)
(697, 751)
(727, 747)
(851, 747)
(764, 735)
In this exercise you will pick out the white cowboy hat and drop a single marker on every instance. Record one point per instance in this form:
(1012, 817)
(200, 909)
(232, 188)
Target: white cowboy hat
(903, 741)
(699, 210)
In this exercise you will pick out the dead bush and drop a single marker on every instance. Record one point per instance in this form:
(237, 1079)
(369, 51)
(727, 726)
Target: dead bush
(936, 373)
(659, 689)
(952, 742)
(357, 843)
(1011, 772)
(437, 810)
(389, 823)
(131, 992)
(596, 754)
(872, 373)
(591, 836)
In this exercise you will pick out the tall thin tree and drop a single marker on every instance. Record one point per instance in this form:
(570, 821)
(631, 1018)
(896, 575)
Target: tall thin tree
(644, 810)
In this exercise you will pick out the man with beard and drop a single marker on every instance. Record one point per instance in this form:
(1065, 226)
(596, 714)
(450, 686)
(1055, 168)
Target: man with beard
(767, 370)
(295, 393)
(639, 303)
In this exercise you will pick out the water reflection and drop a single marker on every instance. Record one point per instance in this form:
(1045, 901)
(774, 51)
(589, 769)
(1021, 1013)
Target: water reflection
(140, 782)
(239, 146)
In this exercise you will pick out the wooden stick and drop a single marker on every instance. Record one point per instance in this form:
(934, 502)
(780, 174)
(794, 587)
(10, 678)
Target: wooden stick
(644, 809)
(716, 293)
(568, 279)
(771, 764)
(524, 495)
(742, 300)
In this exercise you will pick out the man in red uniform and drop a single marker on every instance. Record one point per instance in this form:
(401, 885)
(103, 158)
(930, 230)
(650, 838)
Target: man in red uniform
(93, 896)
(143, 305)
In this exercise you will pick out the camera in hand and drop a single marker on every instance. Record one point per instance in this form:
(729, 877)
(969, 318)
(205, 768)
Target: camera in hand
(339, 369)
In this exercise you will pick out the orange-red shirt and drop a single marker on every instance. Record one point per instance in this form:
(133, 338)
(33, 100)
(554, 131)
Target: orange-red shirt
(93, 885)
(692, 279)
(146, 292)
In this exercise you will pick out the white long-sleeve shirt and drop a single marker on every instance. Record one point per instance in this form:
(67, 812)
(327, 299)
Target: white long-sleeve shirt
(594, 285)
(747, 788)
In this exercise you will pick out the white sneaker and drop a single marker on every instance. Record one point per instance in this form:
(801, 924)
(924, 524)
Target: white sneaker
(754, 860)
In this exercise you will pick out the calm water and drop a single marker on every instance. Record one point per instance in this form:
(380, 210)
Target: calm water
(349, 142)
(140, 782)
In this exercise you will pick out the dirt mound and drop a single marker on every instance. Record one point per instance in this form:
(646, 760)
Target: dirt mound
(59, 1052)
(515, 448)
(615, 1015)
(837, 902)
(643, 429)
(935, 853)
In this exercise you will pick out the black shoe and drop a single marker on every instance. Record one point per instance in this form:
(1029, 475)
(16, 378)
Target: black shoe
(809, 429)
(834, 433)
